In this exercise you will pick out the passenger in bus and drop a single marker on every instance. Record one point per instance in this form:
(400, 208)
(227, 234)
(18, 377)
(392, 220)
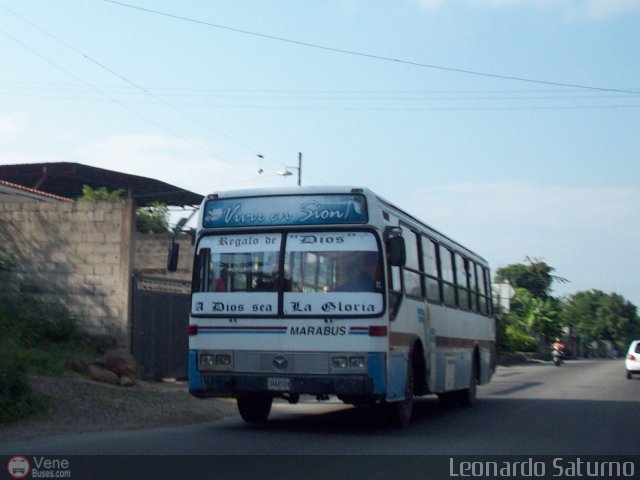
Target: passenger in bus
(217, 285)
(359, 272)
(288, 283)
(271, 283)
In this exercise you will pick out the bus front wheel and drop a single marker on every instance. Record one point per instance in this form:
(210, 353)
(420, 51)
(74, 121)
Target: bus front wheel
(254, 408)
(469, 395)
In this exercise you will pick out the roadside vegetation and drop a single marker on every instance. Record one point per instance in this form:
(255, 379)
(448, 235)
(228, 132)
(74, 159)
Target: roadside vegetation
(37, 338)
(592, 323)
(153, 218)
(43, 338)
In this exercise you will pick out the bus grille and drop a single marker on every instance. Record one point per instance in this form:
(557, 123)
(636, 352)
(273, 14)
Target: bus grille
(281, 362)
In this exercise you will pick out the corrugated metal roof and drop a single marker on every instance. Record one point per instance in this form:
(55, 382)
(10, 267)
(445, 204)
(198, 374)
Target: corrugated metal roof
(67, 179)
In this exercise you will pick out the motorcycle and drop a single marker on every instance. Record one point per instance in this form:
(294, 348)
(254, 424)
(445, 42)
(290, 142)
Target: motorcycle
(558, 357)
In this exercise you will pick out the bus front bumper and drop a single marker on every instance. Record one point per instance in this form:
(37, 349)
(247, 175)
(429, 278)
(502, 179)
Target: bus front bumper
(228, 385)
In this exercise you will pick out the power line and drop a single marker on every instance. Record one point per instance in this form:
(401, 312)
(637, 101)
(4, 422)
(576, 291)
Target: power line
(113, 99)
(492, 94)
(105, 94)
(368, 55)
(130, 82)
(348, 103)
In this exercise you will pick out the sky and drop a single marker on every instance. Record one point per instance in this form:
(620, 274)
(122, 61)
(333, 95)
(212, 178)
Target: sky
(512, 126)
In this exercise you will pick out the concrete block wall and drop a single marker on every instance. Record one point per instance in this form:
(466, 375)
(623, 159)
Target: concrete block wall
(151, 252)
(80, 253)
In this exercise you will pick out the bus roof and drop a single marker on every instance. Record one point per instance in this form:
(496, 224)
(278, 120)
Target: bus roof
(266, 192)
(311, 190)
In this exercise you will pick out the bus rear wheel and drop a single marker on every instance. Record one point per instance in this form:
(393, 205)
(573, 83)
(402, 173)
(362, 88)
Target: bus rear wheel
(465, 397)
(254, 407)
(403, 410)
(469, 395)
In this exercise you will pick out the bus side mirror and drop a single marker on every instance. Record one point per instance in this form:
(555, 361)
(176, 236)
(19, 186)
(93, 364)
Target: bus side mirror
(172, 257)
(395, 246)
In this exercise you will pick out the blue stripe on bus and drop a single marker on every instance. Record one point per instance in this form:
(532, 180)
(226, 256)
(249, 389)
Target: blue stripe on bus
(359, 331)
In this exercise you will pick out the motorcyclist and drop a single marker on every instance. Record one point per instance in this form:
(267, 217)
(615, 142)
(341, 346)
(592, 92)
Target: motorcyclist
(560, 348)
(558, 345)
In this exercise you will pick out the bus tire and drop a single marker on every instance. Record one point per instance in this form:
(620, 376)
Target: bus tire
(254, 407)
(403, 410)
(469, 395)
(465, 397)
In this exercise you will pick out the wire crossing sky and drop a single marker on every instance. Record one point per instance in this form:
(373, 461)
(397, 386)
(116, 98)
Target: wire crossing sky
(528, 149)
(369, 55)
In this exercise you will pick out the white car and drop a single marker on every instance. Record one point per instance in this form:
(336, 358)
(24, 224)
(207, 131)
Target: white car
(632, 362)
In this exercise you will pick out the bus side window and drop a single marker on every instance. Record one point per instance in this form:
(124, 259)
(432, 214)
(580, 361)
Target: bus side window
(430, 266)
(411, 271)
(473, 285)
(482, 290)
(448, 281)
(462, 280)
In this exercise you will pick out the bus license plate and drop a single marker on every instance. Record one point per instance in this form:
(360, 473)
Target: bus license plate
(278, 384)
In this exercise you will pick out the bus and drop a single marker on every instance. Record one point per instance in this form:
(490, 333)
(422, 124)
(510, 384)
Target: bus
(333, 292)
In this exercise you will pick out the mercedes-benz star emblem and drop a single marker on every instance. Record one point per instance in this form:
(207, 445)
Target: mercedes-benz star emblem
(280, 362)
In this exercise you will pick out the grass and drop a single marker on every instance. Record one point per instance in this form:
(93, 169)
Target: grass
(37, 338)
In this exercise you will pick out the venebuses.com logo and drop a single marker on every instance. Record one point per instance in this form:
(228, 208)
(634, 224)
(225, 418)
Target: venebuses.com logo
(18, 467)
(38, 467)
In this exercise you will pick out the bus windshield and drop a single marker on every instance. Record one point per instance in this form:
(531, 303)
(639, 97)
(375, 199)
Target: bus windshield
(321, 274)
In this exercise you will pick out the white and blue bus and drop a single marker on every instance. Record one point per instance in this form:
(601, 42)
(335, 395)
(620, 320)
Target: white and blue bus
(333, 291)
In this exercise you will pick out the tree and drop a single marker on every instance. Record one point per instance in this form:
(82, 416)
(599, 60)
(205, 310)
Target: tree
(601, 316)
(536, 317)
(153, 218)
(536, 277)
(101, 194)
(535, 314)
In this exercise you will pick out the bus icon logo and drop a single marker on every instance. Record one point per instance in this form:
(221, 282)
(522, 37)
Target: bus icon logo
(18, 467)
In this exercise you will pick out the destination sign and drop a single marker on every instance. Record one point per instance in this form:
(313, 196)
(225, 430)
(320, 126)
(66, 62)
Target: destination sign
(285, 210)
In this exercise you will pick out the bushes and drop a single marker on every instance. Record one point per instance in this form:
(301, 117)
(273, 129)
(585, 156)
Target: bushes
(16, 398)
(35, 323)
(36, 338)
(7, 259)
(518, 341)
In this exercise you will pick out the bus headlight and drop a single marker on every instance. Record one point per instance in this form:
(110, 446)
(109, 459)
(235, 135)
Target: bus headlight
(215, 361)
(207, 361)
(345, 363)
(339, 362)
(356, 362)
(224, 360)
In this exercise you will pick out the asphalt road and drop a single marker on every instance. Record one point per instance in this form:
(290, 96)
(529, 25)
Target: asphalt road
(583, 407)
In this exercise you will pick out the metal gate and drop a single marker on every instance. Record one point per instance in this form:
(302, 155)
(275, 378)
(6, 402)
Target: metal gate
(160, 318)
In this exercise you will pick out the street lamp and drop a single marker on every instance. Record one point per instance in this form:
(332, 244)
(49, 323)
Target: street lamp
(286, 172)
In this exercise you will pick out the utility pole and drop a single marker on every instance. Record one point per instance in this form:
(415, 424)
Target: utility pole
(286, 172)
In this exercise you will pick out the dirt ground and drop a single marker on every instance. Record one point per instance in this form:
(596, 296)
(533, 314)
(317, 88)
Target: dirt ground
(81, 405)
